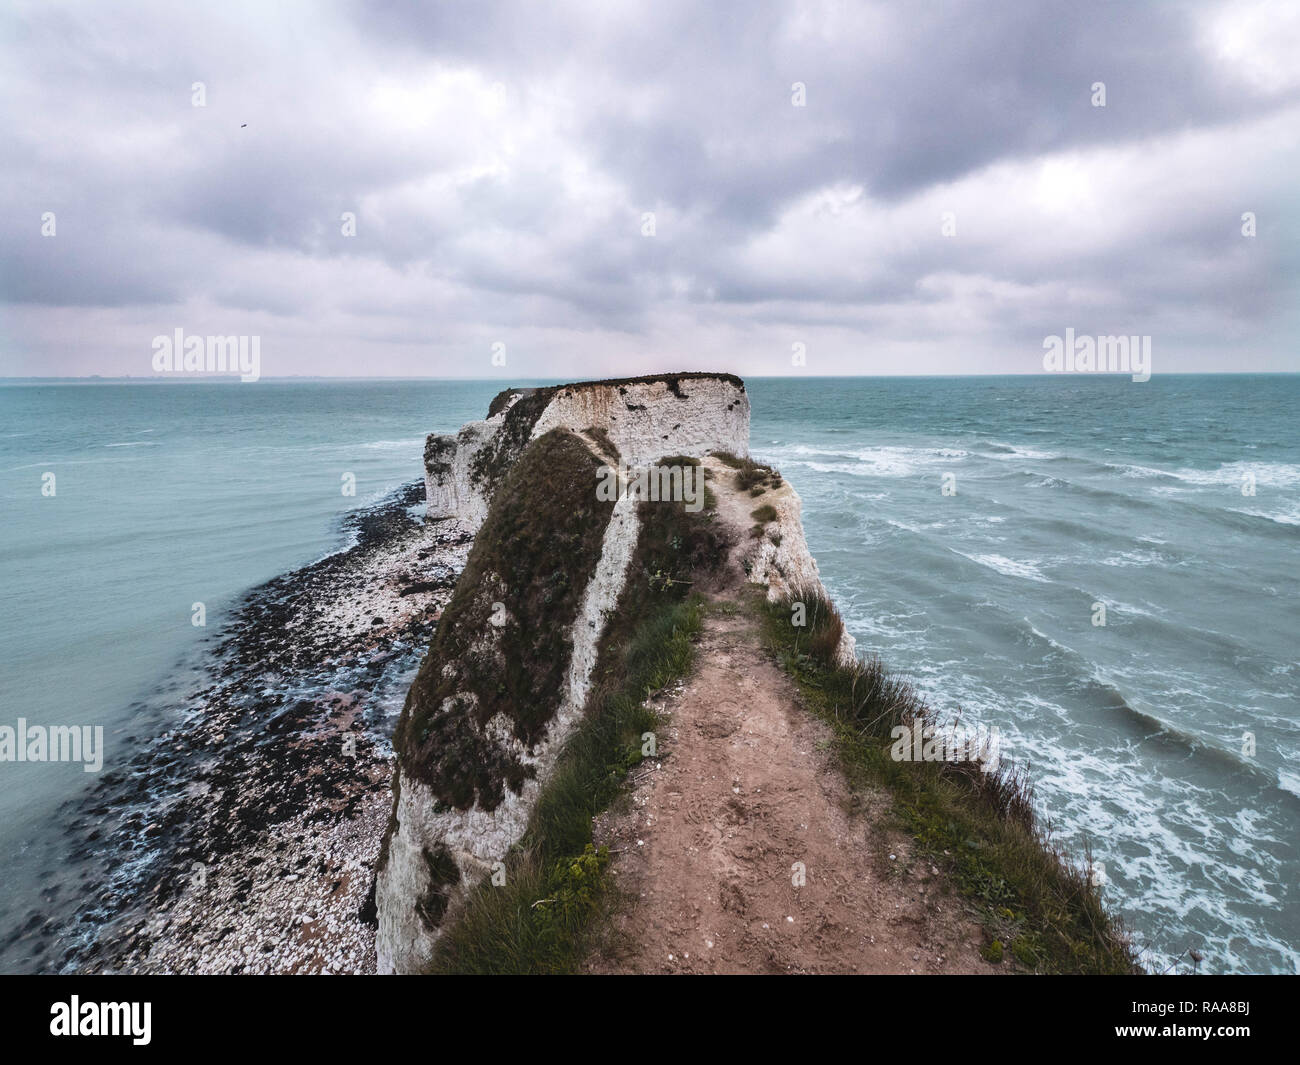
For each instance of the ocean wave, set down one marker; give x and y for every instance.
(393, 445)
(1288, 516)
(1009, 567)
(912, 527)
(1183, 743)
(1138, 558)
(883, 461)
(997, 450)
(1273, 474)
(1133, 470)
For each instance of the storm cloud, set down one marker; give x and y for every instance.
(613, 188)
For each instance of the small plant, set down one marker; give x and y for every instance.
(573, 888)
(752, 477)
(662, 582)
(601, 436)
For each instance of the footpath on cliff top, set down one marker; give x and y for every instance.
(742, 848)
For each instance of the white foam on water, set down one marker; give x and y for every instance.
(1009, 567)
(1135, 558)
(1289, 782)
(1288, 515)
(883, 461)
(1273, 474)
(1010, 452)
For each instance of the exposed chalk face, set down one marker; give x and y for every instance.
(645, 418)
(449, 490)
(780, 560)
(648, 420)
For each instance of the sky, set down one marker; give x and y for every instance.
(603, 189)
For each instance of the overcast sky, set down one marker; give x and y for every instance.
(500, 160)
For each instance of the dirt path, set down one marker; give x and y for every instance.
(749, 796)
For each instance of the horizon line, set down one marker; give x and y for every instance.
(205, 378)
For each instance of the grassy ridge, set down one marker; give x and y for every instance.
(541, 919)
(980, 826)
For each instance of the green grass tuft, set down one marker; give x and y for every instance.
(980, 826)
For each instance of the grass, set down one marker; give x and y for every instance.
(548, 914)
(601, 436)
(752, 477)
(762, 515)
(980, 826)
(542, 919)
(710, 500)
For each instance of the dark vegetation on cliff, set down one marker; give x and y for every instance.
(752, 477)
(544, 918)
(979, 826)
(438, 454)
(493, 461)
(534, 555)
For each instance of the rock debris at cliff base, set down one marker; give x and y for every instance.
(243, 839)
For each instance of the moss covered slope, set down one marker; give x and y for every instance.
(495, 670)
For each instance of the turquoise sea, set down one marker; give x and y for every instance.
(1167, 739)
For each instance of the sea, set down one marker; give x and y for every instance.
(1103, 571)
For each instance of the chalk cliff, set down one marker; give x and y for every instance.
(508, 675)
(644, 418)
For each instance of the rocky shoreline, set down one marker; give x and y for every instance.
(243, 838)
